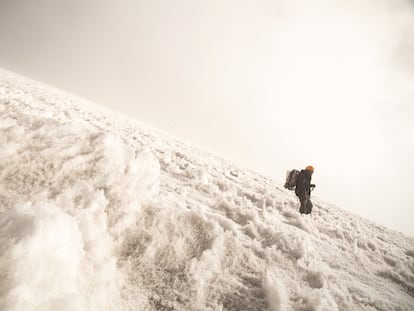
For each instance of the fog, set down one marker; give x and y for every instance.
(271, 85)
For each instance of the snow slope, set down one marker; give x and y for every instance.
(100, 212)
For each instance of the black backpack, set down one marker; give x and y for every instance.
(291, 179)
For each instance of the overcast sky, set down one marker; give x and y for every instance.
(270, 85)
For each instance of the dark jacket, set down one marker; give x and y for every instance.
(303, 184)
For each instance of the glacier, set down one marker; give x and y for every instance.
(101, 212)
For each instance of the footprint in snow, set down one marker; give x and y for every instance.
(315, 279)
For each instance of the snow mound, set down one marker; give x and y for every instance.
(46, 263)
(68, 193)
(99, 212)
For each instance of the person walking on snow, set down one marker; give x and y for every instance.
(303, 189)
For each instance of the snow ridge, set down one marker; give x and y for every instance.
(99, 212)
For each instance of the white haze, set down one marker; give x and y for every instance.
(99, 212)
(270, 84)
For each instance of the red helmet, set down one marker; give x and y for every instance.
(310, 168)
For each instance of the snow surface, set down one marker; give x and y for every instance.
(100, 212)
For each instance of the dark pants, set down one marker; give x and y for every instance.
(305, 203)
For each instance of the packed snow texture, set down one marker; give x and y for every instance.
(100, 212)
